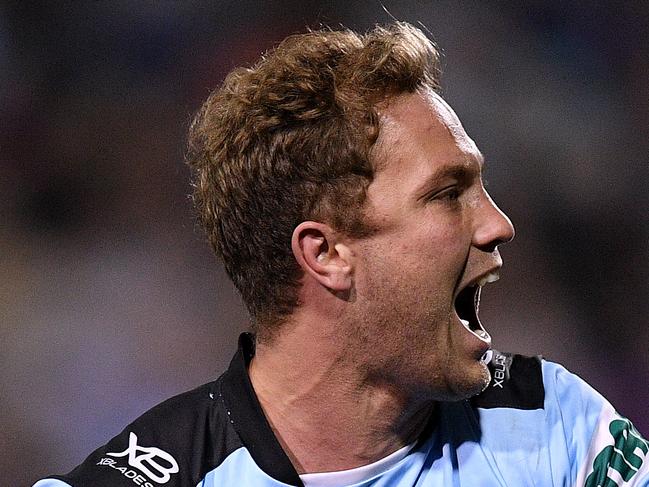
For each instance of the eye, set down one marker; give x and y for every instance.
(451, 193)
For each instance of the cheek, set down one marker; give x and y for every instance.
(443, 247)
(425, 238)
(425, 255)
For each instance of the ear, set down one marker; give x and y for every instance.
(319, 253)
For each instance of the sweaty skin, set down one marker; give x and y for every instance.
(376, 340)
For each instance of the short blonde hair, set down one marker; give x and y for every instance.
(289, 140)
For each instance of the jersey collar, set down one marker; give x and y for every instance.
(248, 419)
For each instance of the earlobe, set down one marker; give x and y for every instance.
(321, 256)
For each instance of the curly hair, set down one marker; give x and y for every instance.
(289, 139)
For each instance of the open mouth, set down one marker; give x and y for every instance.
(467, 305)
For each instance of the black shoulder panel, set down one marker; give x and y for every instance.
(516, 382)
(176, 443)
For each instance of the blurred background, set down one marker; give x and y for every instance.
(110, 298)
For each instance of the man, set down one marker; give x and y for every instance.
(346, 202)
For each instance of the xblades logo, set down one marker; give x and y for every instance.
(153, 462)
(500, 367)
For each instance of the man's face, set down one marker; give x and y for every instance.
(436, 234)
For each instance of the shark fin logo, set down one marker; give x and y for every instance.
(616, 464)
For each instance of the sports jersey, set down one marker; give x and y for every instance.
(535, 425)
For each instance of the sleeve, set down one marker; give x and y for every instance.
(604, 448)
(169, 445)
(126, 460)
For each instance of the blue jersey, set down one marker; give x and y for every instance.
(535, 425)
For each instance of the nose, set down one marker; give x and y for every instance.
(492, 226)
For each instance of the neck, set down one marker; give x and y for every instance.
(325, 411)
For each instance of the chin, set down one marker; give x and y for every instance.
(473, 383)
(483, 381)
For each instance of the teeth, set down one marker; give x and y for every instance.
(480, 333)
(483, 335)
(491, 277)
(486, 358)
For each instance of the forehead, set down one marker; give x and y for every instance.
(420, 139)
(424, 121)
